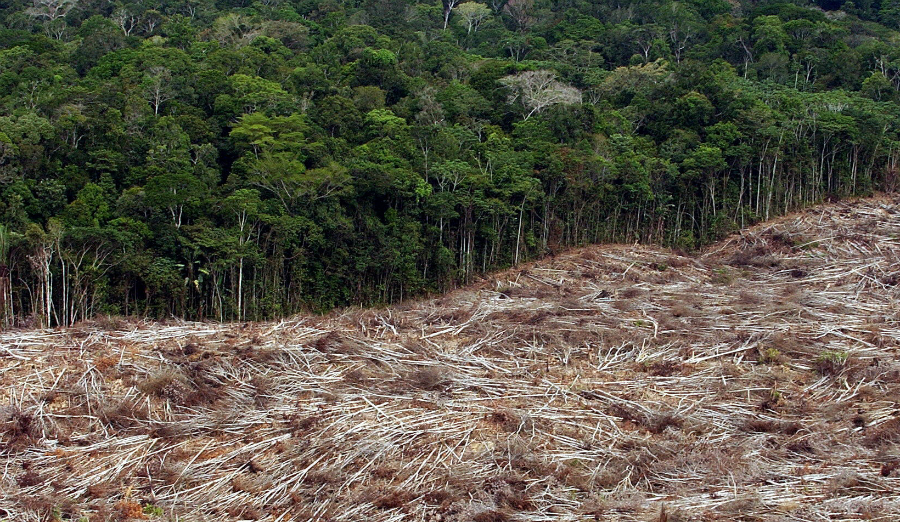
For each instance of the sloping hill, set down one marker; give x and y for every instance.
(757, 381)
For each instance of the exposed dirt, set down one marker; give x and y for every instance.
(757, 381)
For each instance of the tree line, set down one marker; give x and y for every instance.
(238, 160)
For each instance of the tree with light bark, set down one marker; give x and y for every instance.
(157, 86)
(51, 9)
(537, 90)
(448, 8)
(472, 14)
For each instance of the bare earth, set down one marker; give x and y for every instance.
(758, 380)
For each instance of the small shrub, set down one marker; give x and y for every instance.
(831, 362)
(152, 511)
(770, 355)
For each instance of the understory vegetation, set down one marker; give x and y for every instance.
(242, 160)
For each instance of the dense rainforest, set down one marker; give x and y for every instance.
(238, 160)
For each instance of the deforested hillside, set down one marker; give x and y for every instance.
(756, 381)
(248, 160)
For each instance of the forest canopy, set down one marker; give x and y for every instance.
(239, 160)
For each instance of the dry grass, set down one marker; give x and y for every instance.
(756, 381)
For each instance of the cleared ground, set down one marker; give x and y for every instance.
(759, 380)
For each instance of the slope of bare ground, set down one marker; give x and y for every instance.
(757, 381)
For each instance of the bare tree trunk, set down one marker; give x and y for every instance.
(240, 293)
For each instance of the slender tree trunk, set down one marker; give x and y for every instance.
(519, 234)
(240, 292)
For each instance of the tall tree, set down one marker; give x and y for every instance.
(537, 90)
